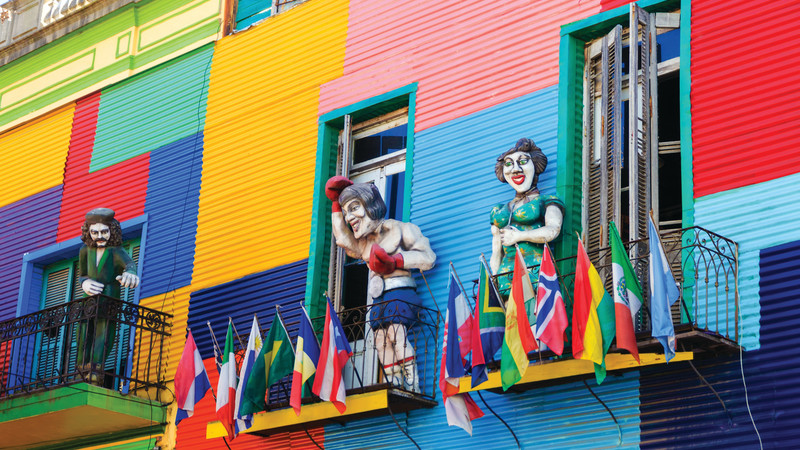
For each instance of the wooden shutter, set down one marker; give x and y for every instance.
(602, 131)
(337, 258)
(49, 355)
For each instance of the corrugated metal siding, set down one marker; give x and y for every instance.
(744, 128)
(25, 226)
(153, 109)
(240, 299)
(722, 213)
(34, 155)
(172, 197)
(260, 133)
(192, 431)
(679, 411)
(466, 56)
(556, 417)
(176, 303)
(121, 188)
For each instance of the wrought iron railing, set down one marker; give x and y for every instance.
(417, 371)
(98, 339)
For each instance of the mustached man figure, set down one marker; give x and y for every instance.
(391, 249)
(104, 268)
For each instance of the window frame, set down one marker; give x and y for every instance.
(330, 126)
(574, 37)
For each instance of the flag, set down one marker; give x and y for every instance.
(592, 316)
(627, 293)
(334, 353)
(305, 359)
(275, 361)
(488, 326)
(663, 293)
(191, 380)
(518, 339)
(459, 408)
(245, 421)
(551, 315)
(226, 386)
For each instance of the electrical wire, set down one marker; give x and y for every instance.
(619, 428)
(389, 408)
(741, 367)
(500, 419)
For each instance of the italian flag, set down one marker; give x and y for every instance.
(226, 387)
(627, 293)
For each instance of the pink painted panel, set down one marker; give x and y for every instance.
(465, 55)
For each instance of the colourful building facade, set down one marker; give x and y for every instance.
(211, 131)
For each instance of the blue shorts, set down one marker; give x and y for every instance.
(399, 305)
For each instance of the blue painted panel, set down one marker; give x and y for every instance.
(173, 192)
(678, 410)
(741, 215)
(240, 299)
(26, 225)
(153, 109)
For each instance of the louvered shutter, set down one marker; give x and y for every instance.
(117, 361)
(337, 259)
(49, 356)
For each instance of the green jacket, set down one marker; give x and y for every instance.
(113, 262)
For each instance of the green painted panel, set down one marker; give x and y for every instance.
(152, 109)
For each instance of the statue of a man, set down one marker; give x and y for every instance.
(104, 268)
(391, 248)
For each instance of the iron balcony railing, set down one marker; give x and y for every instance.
(417, 373)
(98, 339)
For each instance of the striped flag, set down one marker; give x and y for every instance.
(226, 386)
(627, 293)
(334, 353)
(551, 315)
(245, 421)
(191, 380)
(663, 293)
(518, 340)
(488, 326)
(460, 409)
(305, 359)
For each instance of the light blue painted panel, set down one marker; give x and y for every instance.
(152, 109)
(757, 217)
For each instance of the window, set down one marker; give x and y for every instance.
(631, 145)
(249, 12)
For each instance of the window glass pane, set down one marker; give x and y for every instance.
(668, 45)
(395, 185)
(379, 144)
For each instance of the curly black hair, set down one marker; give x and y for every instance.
(115, 240)
(524, 145)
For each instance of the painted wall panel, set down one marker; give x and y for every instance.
(192, 431)
(176, 303)
(254, 294)
(744, 127)
(465, 56)
(722, 214)
(25, 226)
(679, 410)
(260, 140)
(153, 109)
(109, 49)
(34, 155)
(171, 204)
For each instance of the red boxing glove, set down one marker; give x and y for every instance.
(382, 263)
(334, 187)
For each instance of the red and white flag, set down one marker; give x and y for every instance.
(226, 387)
(551, 315)
(334, 353)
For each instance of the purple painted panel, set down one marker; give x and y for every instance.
(26, 225)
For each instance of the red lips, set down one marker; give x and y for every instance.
(518, 179)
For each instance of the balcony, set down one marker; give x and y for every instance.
(372, 390)
(705, 316)
(48, 380)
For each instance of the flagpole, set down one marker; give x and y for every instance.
(217, 351)
(280, 317)
(236, 332)
(491, 282)
(453, 268)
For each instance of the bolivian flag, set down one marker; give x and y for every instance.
(518, 339)
(593, 323)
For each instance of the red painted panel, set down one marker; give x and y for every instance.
(121, 187)
(745, 94)
(465, 55)
(192, 431)
(606, 5)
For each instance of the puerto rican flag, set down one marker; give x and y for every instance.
(191, 380)
(551, 315)
(334, 353)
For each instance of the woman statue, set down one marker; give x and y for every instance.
(529, 220)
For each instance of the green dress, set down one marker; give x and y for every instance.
(529, 216)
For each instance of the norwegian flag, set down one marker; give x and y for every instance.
(551, 315)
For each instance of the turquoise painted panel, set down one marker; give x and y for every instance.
(249, 12)
(153, 109)
(757, 217)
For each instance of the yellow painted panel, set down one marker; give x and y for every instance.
(176, 303)
(552, 370)
(356, 404)
(34, 155)
(260, 141)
